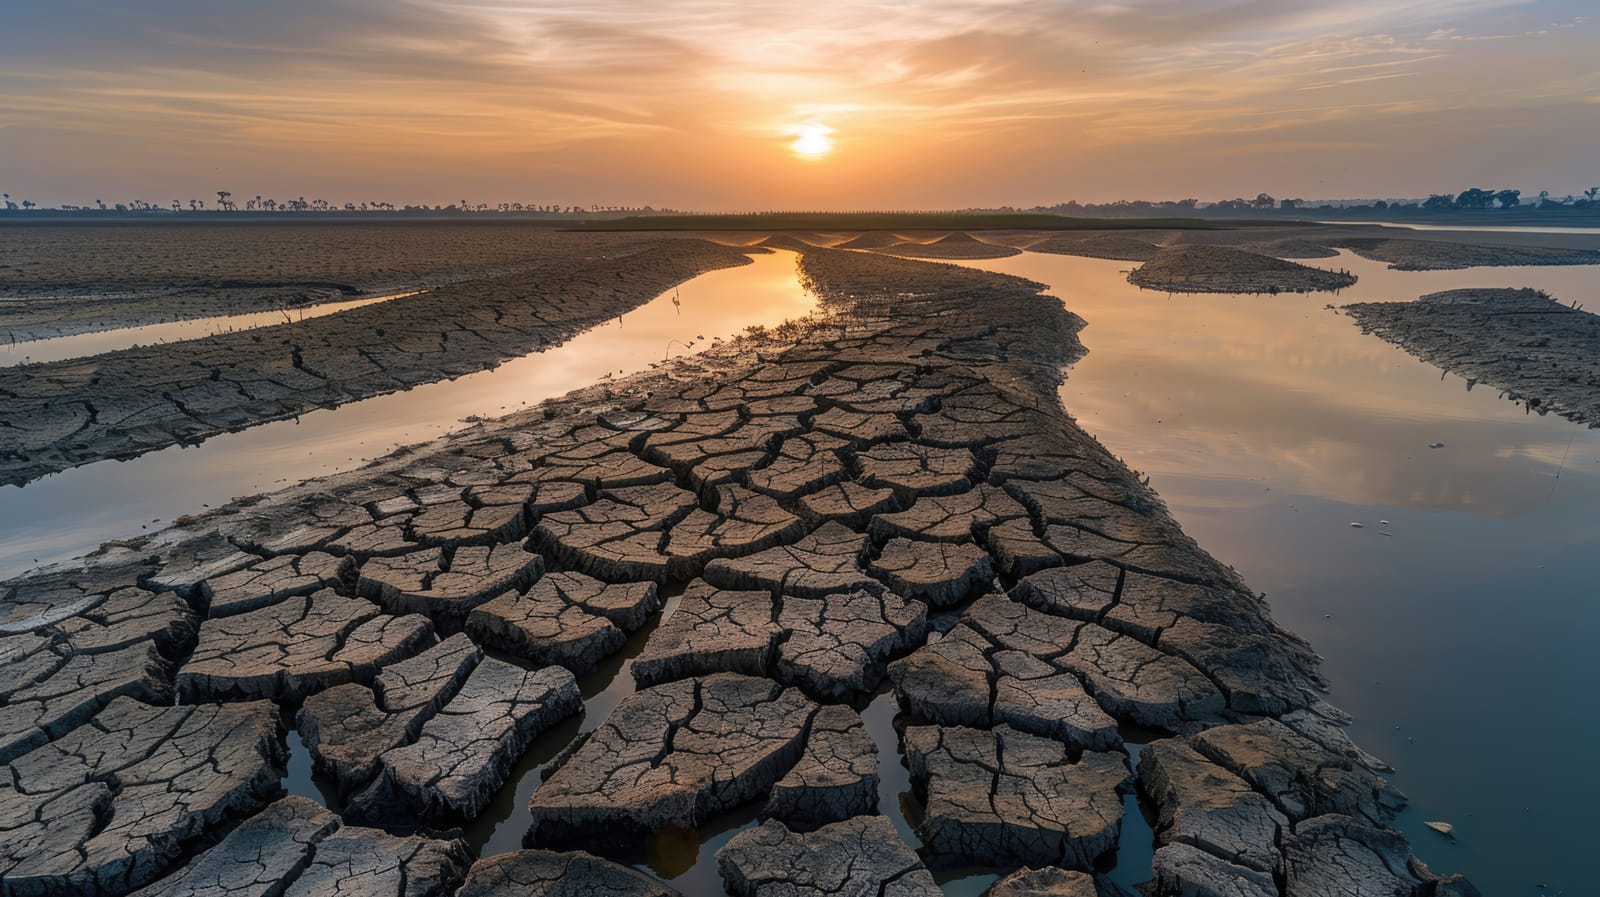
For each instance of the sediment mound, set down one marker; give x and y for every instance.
(1538, 350)
(1100, 246)
(791, 242)
(954, 246)
(1290, 248)
(1429, 255)
(871, 240)
(1223, 269)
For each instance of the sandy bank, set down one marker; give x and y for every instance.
(1430, 255)
(1195, 268)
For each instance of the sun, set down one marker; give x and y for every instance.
(811, 141)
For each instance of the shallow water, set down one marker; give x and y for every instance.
(1492, 229)
(1270, 424)
(82, 345)
(67, 514)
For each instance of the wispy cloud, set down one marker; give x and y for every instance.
(688, 100)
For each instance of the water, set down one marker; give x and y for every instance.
(1486, 228)
(67, 514)
(82, 345)
(1270, 424)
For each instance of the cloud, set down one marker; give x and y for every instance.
(525, 89)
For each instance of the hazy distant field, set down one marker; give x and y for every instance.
(77, 278)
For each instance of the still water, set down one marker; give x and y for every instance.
(1493, 229)
(82, 345)
(68, 514)
(1461, 633)
(1268, 424)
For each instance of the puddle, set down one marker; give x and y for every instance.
(68, 514)
(82, 345)
(1270, 424)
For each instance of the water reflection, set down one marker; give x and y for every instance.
(1269, 424)
(82, 345)
(1289, 395)
(67, 514)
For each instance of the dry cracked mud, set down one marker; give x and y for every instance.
(122, 404)
(1204, 268)
(1537, 350)
(888, 498)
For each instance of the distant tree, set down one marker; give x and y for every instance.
(1509, 199)
(176, 206)
(27, 204)
(1380, 205)
(121, 207)
(11, 206)
(1475, 198)
(1290, 203)
(225, 200)
(101, 203)
(1263, 201)
(1439, 202)
(1544, 197)
(1591, 193)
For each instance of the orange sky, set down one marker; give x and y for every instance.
(695, 104)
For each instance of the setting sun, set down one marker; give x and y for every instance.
(812, 141)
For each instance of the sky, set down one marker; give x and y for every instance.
(711, 105)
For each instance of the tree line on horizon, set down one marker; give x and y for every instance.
(1475, 198)
(226, 203)
(1471, 199)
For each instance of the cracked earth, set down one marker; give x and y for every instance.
(889, 497)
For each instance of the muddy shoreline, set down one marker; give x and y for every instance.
(1197, 268)
(1541, 353)
(63, 280)
(121, 404)
(890, 492)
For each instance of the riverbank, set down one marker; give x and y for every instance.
(1196, 268)
(1540, 352)
(823, 494)
(122, 404)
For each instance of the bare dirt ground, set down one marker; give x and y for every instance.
(1123, 247)
(889, 493)
(1192, 268)
(122, 404)
(1540, 352)
(1434, 255)
(79, 278)
(953, 246)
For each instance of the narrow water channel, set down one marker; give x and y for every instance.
(83, 345)
(1467, 600)
(68, 514)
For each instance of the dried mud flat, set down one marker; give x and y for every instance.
(1438, 255)
(1202, 268)
(78, 278)
(895, 497)
(1120, 247)
(952, 246)
(122, 404)
(1540, 352)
